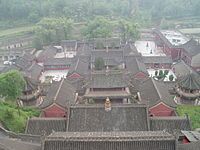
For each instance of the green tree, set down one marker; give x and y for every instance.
(11, 84)
(37, 44)
(128, 30)
(166, 72)
(161, 73)
(99, 63)
(100, 27)
(156, 72)
(50, 30)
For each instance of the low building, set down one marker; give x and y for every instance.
(158, 62)
(57, 64)
(79, 68)
(45, 126)
(190, 136)
(156, 95)
(135, 68)
(170, 41)
(173, 125)
(59, 97)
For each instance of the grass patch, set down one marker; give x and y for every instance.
(15, 119)
(193, 112)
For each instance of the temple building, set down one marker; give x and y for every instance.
(30, 93)
(188, 89)
(58, 99)
(110, 141)
(104, 84)
(156, 95)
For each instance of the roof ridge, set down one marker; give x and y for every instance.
(77, 64)
(58, 89)
(157, 90)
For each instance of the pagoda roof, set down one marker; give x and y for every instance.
(190, 81)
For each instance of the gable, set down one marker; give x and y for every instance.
(161, 109)
(75, 75)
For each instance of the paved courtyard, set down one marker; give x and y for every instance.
(56, 75)
(148, 48)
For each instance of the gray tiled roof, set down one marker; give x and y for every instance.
(170, 124)
(181, 68)
(80, 66)
(34, 71)
(192, 136)
(47, 53)
(189, 146)
(111, 136)
(30, 84)
(153, 92)
(57, 61)
(115, 55)
(94, 118)
(14, 144)
(110, 141)
(102, 79)
(158, 59)
(190, 81)
(39, 126)
(192, 47)
(61, 93)
(134, 65)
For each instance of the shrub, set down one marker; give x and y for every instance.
(166, 72)
(171, 77)
(156, 72)
(160, 73)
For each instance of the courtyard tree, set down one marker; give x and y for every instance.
(99, 64)
(166, 72)
(11, 84)
(100, 27)
(171, 77)
(161, 73)
(156, 72)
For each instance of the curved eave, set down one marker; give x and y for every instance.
(189, 95)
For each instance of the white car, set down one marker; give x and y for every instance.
(7, 62)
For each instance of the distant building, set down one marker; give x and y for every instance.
(170, 41)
